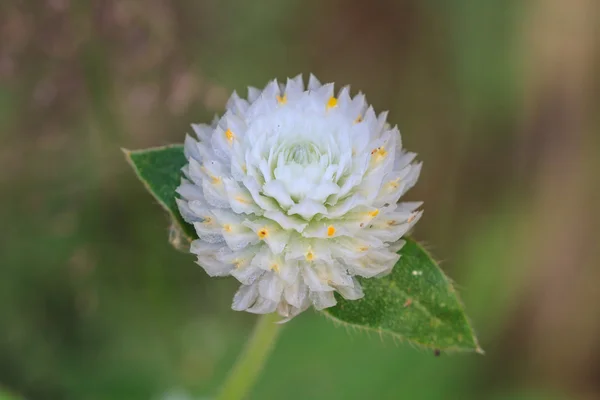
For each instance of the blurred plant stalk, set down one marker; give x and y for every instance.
(560, 49)
(250, 363)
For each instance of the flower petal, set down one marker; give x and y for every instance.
(307, 209)
(294, 192)
(245, 297)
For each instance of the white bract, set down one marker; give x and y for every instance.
(294, 192)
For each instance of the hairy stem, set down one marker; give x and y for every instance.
(250, 363)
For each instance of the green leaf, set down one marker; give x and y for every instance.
(159, 169)
(415, 302)
(5, 395)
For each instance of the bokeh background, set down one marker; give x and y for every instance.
(501, 99)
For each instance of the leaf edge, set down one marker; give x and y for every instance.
(181, 234)
(176, 230)
(454, 349)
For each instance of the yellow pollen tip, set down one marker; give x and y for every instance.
(237, 263)
(379, 153)
(263, 233)
(240, 199)
(363, 248)
(310, 256)
(330, 230)
(391, 222)
(282, 99)
(227, 228)
(216, 180)
(358, 120)
(332, 102)
(229, 135)
(244, 168)
(374, 213)
(275, 267)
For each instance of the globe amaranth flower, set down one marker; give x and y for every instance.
(294, 192)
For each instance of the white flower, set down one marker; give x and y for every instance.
(294, 192)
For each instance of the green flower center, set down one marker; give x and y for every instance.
(303, 153)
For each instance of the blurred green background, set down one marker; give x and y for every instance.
(501, 99)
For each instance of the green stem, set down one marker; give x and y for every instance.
(250, 363)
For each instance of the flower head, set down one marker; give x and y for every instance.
(294, 192)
